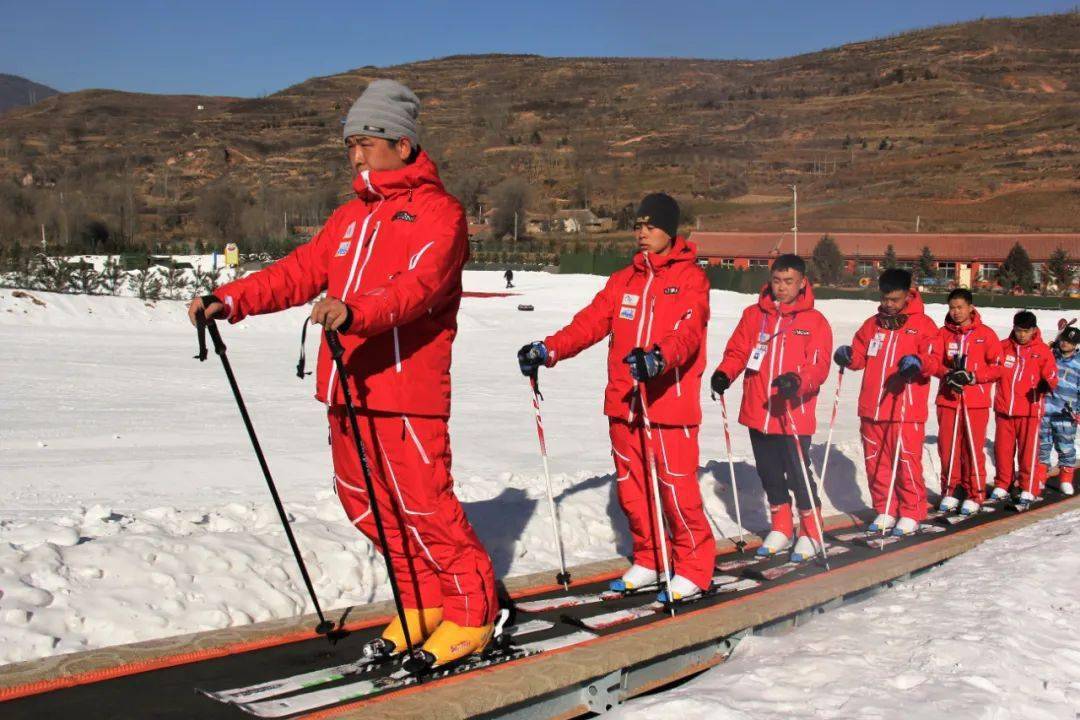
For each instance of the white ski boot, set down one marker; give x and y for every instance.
(948, 504)
(1025, 500)
(681, 589)
(999, 494)
(636, 578)
(1067, 488)
(905, 526)
(806, 548)
(970, 507)
(775, 542)
(881, 523)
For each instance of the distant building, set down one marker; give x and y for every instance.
(582, 220)
(969, 259)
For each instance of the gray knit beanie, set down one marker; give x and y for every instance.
(386, 109)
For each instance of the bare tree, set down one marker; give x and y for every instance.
(511, 198)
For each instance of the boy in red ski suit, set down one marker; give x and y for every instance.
(785, 347)
(654, 314)
(1028, 374)
(896, 350)
(970, 363)
(390, 263)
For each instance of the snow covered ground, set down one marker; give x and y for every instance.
(990, 635)
(133, 506)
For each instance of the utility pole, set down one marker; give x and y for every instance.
(515, 226)
(917, 219)
(795, 216)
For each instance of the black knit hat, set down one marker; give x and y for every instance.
(660, 211)
(1025, 320)
(1071, 335)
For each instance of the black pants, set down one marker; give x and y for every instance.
(778, 468)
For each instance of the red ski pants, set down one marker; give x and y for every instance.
(1016, 435)
(879, 440)
(437, 558)
(969, 473)
(690, 539)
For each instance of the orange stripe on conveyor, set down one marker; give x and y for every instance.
(339, 710)
(93, 676)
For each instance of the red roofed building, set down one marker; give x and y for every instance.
(968, 258)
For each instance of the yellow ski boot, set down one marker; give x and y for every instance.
(451, 642)
(422, 623)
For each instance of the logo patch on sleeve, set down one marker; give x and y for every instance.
(800, 331)
(403, 216)
(343, 248)
(630, 299)
(627, 313)
(673, 290)
(349, 231)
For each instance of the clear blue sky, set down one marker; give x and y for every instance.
(252, 48)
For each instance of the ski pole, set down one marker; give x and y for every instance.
(959, 364)
(1036, 431)
(337, 352)
(740, 544)
(971, 444)
(650, 458)
(563, 578)
(814, 505)
(896, 455)
(832, 426)
(325, 627)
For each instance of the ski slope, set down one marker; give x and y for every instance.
(134, 508)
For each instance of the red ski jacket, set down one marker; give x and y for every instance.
(394, 255)
(658, 300)
(796, 338)
(878, 350)
(982, 351)
(1022, 366)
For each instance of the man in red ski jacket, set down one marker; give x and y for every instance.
(785, 347)
(1028, 375)
(390, 263)
(654, 313)
(970, 356)
(895, 348)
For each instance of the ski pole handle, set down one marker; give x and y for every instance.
(337, 350)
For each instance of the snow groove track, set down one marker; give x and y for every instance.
(170, 692)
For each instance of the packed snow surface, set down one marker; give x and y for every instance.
(134, 508)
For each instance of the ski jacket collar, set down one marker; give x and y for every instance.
(803, 301)
(682, 251)
(1034, 342)
(976, 323)
(382, 184)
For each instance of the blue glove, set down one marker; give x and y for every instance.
(910, 366)
(531, 357)
(842, 356)
(644, 365)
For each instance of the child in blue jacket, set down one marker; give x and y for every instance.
(1058, 430)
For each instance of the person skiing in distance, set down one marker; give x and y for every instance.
(655, 312)
(509, 277)
(1058, 428)
(895, 347)
(785, 347)
(970, 355)
(1028, 374)
(390, 263)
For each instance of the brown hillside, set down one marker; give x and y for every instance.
(973, 127)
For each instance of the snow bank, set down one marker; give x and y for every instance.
(991, 634)
(134, 507)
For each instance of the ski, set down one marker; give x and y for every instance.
(566, 601)
(620, 617)
(282, 707)
(303, 681)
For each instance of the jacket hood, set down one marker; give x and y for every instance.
(682, 251)
(803, 301)
(381, 184)
(976, 322)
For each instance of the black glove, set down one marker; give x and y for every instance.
(1043, 388)
(787, 385)
(644, 365)
(531, 357)
(959, 379)
(720, 382)
(842, 356)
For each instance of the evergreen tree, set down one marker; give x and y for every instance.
(112, 276)
(205, 281)
(175, 282)
(86, 280)
(1017, 270)
(890, 257)
(145, 284)
(926, 268)
(1060, 269)
(54, 275)
(827, 261)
